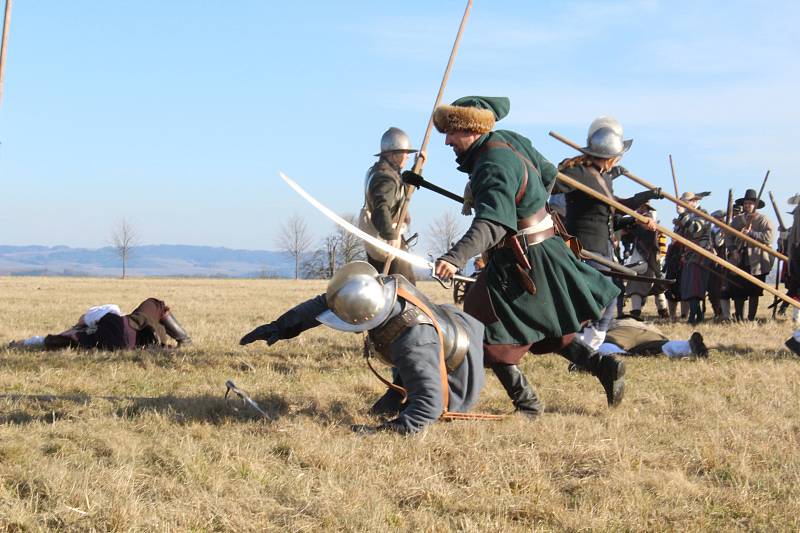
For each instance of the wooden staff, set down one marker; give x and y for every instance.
(781, 226)
(674, 178)
(3, 45)
(781, 247)
(763, 185)
(686, 242)
(702, 214)
(420, 161)
(729, 210)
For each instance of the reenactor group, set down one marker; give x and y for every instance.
(536, 293)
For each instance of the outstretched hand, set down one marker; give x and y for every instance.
(270, 333)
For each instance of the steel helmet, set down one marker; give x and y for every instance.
(358, 298)
(604, 139)
(396, 140)
(603, 122)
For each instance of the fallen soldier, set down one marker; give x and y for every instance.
(105, 328)
(435, 350)
(631, 337)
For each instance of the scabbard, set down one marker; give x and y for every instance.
(523, 264)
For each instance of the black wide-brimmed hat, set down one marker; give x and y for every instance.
(752, 195)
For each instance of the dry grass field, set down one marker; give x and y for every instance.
(145, 441)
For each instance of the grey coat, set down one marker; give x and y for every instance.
(761, 229)
(415, 357)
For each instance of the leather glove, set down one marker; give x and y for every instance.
(412, 178)
(270, 333)
(617, 171)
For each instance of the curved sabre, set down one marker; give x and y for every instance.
(403, 255)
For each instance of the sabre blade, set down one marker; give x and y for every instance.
(397, 252)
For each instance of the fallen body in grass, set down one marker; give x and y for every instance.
(104, 327)
(632, 337)
(436, 351)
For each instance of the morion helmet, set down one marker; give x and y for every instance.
(396, 140)
(604, 139)
(358, 298)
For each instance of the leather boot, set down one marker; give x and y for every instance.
(606, 368)
(175, 330)
(752, 308)
(522, 394)
(738, 305)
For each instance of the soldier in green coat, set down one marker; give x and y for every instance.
(534, 294)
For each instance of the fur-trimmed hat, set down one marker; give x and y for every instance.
(476, 114)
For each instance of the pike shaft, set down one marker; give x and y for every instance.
(702, 214)
(420, 162)
(4, 45)
(686, 242)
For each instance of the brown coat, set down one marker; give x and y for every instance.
(762, 230)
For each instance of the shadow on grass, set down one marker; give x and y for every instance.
(181, 410)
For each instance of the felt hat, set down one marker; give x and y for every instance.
(475, 114)
(752, 195)
(689, 196)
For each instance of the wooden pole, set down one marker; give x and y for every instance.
(4, 45)
(763, 185)
(419, 162)
(729, 209)
(778, 215)
(702, 214)
(674, 178)
(686, 242)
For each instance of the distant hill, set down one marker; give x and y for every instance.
(146, 260)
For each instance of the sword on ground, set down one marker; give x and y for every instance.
(246, 399)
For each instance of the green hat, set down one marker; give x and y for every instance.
(476, 114)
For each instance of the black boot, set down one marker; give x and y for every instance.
(793, 345)
(752, 308)
(606, 368)
(697, 345)
(175, 330)
(522, 394)
(738, 305)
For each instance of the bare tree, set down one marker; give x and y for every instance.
(350, 247)
(443, 233)
(123, 239)
(295, 239)
(323, 262)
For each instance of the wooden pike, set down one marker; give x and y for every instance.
(419, 162)
(4, 45)
(781, 225)
(674, 178)
(686, 242)
(702, 214)
(763, 185)
(729, 209)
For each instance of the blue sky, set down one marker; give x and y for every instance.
(177, 115)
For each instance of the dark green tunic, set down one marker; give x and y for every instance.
(569, 292)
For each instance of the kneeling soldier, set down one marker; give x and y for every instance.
(437, 350)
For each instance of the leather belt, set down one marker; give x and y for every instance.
(539, 236)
